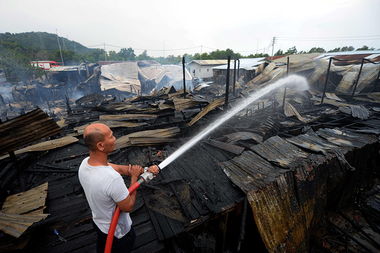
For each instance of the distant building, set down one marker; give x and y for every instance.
(203, 68)
(45, 65)
(247, 70)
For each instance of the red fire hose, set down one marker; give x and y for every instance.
(145, 177)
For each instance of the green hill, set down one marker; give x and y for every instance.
(44, 41)
(17, 50)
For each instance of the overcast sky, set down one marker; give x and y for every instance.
(161, 26)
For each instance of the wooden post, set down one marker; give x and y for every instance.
(184, 78)
(227, 83)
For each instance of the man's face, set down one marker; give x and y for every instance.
(109, 141)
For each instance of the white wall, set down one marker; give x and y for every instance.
(199, 71)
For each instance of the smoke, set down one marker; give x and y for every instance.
(6, 93)
(76, 94)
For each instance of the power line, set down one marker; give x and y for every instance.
(337, 40)
(158, 50)
(266, 49)
(329, 37)
(200, 47)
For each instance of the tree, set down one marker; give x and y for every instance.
(365, 48)
(217, 54)
(317, 50)
(143, 56)
(15, 60)
(95, 55)
(337, 49)
(343, 49)
(292, 50)
(127, 54)
(256, 55)
(279, 52)
(113, 56)
(188, 57)
(69, 57)
(349, 48)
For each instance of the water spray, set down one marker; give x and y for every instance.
(295, 82)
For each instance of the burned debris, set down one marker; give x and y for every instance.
(294, 171)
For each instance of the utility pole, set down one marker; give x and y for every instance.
(201, 48)
(63, 43)
(184, 76)
(59, 46)
(273, 42)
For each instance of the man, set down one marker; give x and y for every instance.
(104, 187)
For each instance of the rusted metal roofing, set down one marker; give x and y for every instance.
(348, 53)
(293, 58)
(352, 57)
(25, 129)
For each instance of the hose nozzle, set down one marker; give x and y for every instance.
(147, 176)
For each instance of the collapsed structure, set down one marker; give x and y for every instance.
(292, 172)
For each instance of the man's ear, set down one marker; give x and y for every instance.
(100, 146)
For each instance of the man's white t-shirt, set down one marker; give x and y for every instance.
(104, 186)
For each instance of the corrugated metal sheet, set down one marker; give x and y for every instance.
(346, 138)
(279, 151)
(209, 62)
(21, 210)
(250, 171)
(121, 76)
(373, 56)
(46, 145)
(245, 63)
(286, 202)
(25, 129)
(295, 58)
(311, 141)
(163, 136)
(352, 57)
(366, 52)
(67, 68)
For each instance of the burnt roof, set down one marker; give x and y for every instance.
(283, 166)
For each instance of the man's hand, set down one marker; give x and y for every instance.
(154, 169)
(136, 170)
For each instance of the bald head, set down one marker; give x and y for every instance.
(93, 134)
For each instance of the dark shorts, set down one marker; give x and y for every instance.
(124, 244)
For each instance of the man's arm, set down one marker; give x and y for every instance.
(134, 171)
(128, 203)
(125, 169)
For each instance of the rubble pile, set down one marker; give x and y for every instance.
(288, 173)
